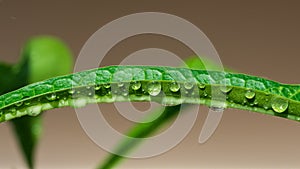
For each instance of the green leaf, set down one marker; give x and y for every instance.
(42, 57)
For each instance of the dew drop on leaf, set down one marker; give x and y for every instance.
(19, 104)
(174, 87)
(279, 105)
(266, 107)
(154, 88)
(225, 89)
(120, 84)
(188, 85)
(97, 87)
(250, 94)
(72, 91)
(201, 85)
(51, 97)
(135, 85)
(34, 110)
(106, 86)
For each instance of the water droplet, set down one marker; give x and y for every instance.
(168, 103)
(34, 110)
(154, 88)
(88, 87)
(13, 111)
(250, 94)
(174, 87)
(188, 85)
(72, 91)
(225, 89)
(279, 105)
(51, 96)
(136, 85)
(62, 103)
(107, 85)
(120, 84)
(19, 104)
(205, 94)
(201, 85)
(97, 87)
(266, 107)
(78, 103)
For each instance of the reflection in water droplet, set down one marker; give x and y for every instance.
(279, 105)
(120, 84)
(27, 103)
(188, 85)
(62, 102)
(13, 111)
(34, 110)
(171, 103)
(72, 91)
(174, 87)
(19, 104)
(51, 96)
(97, 87)
(249, 94)
(201, 85)
(225, 89)
(136, 85)
(154, 88)
(106, 85)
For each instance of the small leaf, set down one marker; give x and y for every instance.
(42, 57)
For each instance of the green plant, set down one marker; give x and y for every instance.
(166, 85)
(149, 83)
(42, 57)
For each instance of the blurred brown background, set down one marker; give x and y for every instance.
(254, 37)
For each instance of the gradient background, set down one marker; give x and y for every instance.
(260, 38)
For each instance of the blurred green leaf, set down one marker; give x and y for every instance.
(42, 57)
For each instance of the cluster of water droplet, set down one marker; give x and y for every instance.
(171, 91)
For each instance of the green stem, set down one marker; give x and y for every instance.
(141, 130)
